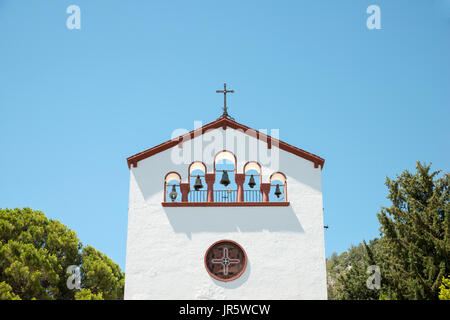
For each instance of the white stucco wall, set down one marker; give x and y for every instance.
(284, 245)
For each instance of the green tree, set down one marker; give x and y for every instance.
(413, 250)
(86, 294)
(347, 273)
(35, 253)
(444, 289)
(6, 292)
(101, 275)
(335, 267)
(415, 235)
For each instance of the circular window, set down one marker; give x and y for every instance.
(225, 260)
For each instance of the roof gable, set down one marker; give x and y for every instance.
(225, 123)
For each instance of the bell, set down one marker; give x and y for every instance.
(225, 180)
(198, 184)
(252, 182)
(278, 191)
(173, 194)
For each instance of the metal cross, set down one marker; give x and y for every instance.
(225, 109)
(225, 261)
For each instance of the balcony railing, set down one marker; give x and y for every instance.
(252, 196)
(198, 196)
(225, 196)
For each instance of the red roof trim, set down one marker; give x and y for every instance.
(225, 122)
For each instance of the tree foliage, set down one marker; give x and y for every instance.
(6, 292)
(347, 273)
(413, 251)
(86, 294)
(444, 289)
(415, 232)
(35, 253)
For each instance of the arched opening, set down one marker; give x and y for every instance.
(278, 187)
(252, 182)
(172, 192)
(198, 188)
(225, 187)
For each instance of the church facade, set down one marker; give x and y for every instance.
(225, 212)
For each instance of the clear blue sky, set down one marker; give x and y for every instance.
(75, 103)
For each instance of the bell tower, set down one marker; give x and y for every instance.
(240, 217)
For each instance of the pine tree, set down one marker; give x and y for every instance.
(347, 273)
(415, 232)
(35, 253)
